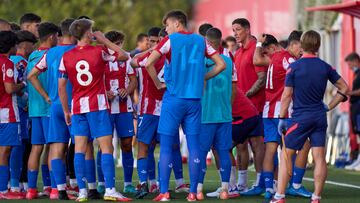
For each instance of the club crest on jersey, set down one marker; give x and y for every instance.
(10, 73)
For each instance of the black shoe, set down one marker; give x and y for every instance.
(142, 191)
(63, 195)
(94, 194)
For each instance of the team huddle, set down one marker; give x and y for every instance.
(79, 86)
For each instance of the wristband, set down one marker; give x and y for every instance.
(345, 98)
(259, 44)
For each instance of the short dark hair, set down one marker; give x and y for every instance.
(25, 36)
(176, 14)
(243, 22)
(46, 29)
(79, 27)
(283, 43)
(353, 56)
(311, 41)
(214, 34)
(230, 39)
(30, 18)
(163, 32)
(65, 26)
(295, 35)
(84, 17)
(269, 40)
(14, 27)
(140, 37)
(8, 40)
(115, 36)
(204, 28)
(154, 31)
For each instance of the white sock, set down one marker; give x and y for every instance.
(257, 179)
(73, 183)
(26, 186)
(199, 187)
(61, 187)
(110, 190)
(101, 183)
(83, 191)
(296, 185)
(314, 197)
(127, 183)
(92, 186)
(219, 175)
(179, 182)
(153, 182)
(225, 186)
(15, 189)
(242, 179)
(278, 196)
(233, 176)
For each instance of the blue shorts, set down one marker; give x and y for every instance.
(10, 134)
(93, 124)
(24, 124)
(123, 123)
(176, 111)
(39, 130)
(217, 135)
(147, 128)
(271, 130)
(59, 132)
(303, 128)
(244, 129)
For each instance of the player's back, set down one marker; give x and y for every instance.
(85, 66)
(185, 75)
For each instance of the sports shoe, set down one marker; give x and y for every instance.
(357, 167)
(83, 197)
(254, 191)
(54, 194)
(94, 194)
(282, 200)
(142, 191)
(233, 192)
(31, 194)
(184, 160)
(72, 190)
(301, 192)
(11, 195)
(215, 193)
(315, 201)
(154, 188)
(208, 162)
(162, 197)
(183, 188)
(129, 189)
(268, 195)
(223, 195)
(200, 196)
(353, 165)
(112, 195)
(101, 189)
(242, 188)
(191, 197)
(45, 193)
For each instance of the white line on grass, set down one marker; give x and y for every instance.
(335, 183)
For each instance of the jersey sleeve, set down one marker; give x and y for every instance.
(164, 46)
(333, 76)
(108, 54)
(62, 69)
(8, 72)
(129, 70)
(209, 50)
(289, 79)
(41, 65)
(259, 69)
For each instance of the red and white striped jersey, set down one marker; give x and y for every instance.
(152, 97)
(9, 112)
(140, 72)
(85, 67)
(117, 77)
(275, 83)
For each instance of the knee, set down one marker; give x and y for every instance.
(36, 149)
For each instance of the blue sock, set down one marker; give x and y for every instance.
(194, 160)
(128, 165)
(269, 179)
(15, 163)
(151, 163)
(58, 170)
(99, 169)
(276, 161)
(52, 178)
(165, 163)
(4, 177)
(177, 163)
(298, 175)
(108, 166)
(158, 177)
(262, 181)
(90, 172)
(225, 165)
(142, 169)
(202, 173)
(80, 170)
(32, 179)
(45, 175)
(293, 165)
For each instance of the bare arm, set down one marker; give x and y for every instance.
(64, 100)
(259, 58)
(285, 101)
(11, 88)
(34, 80)
(342, 89)
(355, 93)
(130, 89)
(219, 66)
(258, 85)
(154, 56)
(122, 55)
(233, 93)
(134, 61)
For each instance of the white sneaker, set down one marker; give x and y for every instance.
(353, 165)
(83, 197)
(357, 167)
(242, 188)
(113, 195)
(215, 193)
